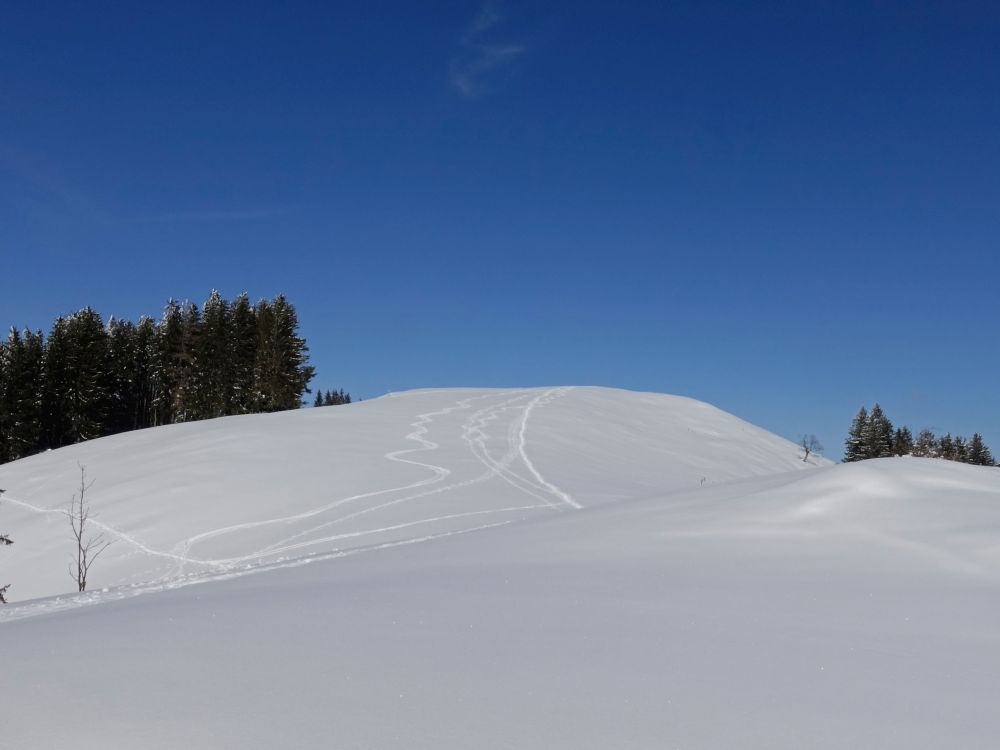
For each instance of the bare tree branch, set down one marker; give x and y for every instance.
(5, 540)
(810, 444)
(88, 549)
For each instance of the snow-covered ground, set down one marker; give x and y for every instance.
(528, 568)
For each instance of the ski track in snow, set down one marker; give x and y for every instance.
(473, 433)
(33, 608)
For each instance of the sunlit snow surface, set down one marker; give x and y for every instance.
(523, 568)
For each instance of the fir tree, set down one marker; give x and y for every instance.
(855, 443)
(211, 365)
(56, 429)
(186, 394)
(877, 434)
(166, 365)
(319, 398)
(143, 371)
(281, 373)
(20, 406)
(88, 393)
(243, 356)
(902, 442)
(946, 447)
(978, 453)
(961, 450)
(123, 359)
(925, 446)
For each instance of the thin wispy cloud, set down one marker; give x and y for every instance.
(480, 55)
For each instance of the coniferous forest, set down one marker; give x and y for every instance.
(87, 379)
(872, 436)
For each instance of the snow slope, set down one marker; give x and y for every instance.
(845, 606)
(206, 498)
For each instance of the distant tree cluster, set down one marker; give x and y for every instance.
(872, 436)
(88, 379)
(332, 398)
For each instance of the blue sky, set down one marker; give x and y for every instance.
(785, 209)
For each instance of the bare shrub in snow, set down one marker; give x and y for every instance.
(88, 548)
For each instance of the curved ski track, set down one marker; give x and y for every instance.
(473, 433)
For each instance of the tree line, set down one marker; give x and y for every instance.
(87, 379)
(872, 436)
(332, 398)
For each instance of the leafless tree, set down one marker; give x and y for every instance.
(810, 444)
(87, 548)
(4, 540)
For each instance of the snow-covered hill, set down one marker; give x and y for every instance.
(230, 494)
(519, 569)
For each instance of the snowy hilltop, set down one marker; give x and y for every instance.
(527, 567)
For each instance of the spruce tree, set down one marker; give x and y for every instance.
(144, 373)
(56, 429)
(186, 396)
(961, 450)
(211, 365)
(167, 352)
(319, 398)
(877, 434)
(4, 386)
(979, 454)
(946, 447)
(123, 361)
(20, 406)
(902, 442)
(243, 356)
(855, 443)
(88, 393)
(925, 446)
(281, 372)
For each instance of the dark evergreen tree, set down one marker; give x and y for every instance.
(211, 365)
(123, 361)
(186, 404)
(961, 449)
(877, 434)
(946, 447)
(855, 443)
(144, 373)
(167, 363)
(243, 356)
(281, 372)
(88, 390)
(979, 454)
(318, 401)
(902, 442)
(4, 386)
(925, 446)
(56, 428)
(20, 405)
